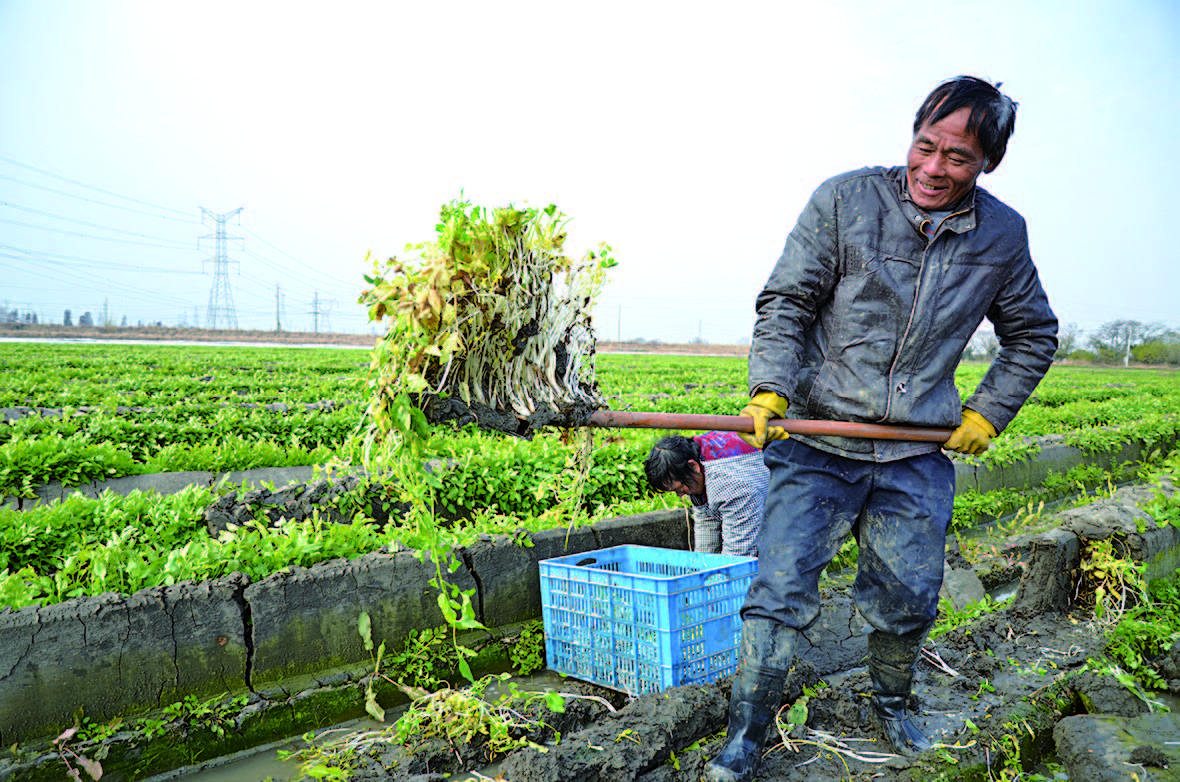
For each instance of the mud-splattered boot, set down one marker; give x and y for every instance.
(766, 654)
(891, 666)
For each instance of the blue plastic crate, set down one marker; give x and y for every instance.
(639, 619)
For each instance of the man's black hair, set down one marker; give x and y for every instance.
(668, 461)
(992, 118)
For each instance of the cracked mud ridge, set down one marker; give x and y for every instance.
(980, 674)
(998, 695)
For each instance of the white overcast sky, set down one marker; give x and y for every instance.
(686, 135)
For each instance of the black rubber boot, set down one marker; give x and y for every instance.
(892, 659)
(766, 654)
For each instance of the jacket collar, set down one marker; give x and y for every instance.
(960, 220)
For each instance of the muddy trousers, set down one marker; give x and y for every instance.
(899, 512)
(766, 653)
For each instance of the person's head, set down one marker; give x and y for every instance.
(674, 464)
(960, 132)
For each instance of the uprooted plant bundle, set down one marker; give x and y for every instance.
(489, 323)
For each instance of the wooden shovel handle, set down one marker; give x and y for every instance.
(622, 419)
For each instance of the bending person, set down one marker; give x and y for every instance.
(724, 478)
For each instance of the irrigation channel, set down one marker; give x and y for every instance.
(1006, 693)
(267, 763)
(1012, 685)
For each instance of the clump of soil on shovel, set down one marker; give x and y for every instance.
(573, 415)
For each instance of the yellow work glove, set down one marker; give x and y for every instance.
(764, 406)
(973, 435)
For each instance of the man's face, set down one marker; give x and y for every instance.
(694, 485)
(944, 161)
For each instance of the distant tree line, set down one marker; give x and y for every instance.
(1129, 342)
(1117, 342)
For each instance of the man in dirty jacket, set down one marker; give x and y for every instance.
(884, 279)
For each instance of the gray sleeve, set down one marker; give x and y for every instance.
(1027, 332)
(802, 279)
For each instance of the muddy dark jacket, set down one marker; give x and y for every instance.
(864, 317)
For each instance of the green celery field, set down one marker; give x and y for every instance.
(107, 411)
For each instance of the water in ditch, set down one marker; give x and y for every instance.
(259, 763)
(973, 683)
(1016, 657)
(264, 763)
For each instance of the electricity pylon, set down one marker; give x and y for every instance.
(221, 300)
(321, 307)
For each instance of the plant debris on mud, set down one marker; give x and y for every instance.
(977, 688)
(993, 688)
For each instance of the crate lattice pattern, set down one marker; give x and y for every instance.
(639, 619)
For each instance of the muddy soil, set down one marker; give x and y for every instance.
(990, 692)
(992, 675)
(566, 416)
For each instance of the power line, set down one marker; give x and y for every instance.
(256, 280)
(189, 220)
(87, 283)
(69, 275)
(307, 266)
(345, 288)
(319, 308)
(43, 172)
(56, 216)
(180, 245)
(76, 262)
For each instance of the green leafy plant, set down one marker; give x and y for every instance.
(461, 715)
(1143, 634)
(984, 686)
(492, 725)
(91, 731)
(972, 507)
(528, 652)
(1010, 450)
(215, 715)
(846, 557)
(1164, 508)
(365, 628)
(332, 754)
(1109, 582)
(424, 661)
(492, 312)
(950, 619)
(61, 744)
(796, 715)
(26, 463)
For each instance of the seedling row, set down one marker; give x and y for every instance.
(223, 409)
